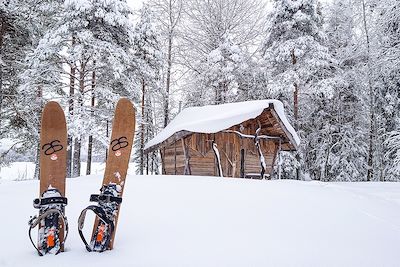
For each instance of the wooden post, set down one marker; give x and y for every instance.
(175, 157)
(163, 170)
(241, 162)
(279, 159)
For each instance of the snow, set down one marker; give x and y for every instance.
(209, 221)
(215, 118)
(25, 170)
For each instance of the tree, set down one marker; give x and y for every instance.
(388, 87)
(25, 101)
(88, 53)
(216, 39)
(168, 18)
(149, 57)
(219, 76)
(299, 64)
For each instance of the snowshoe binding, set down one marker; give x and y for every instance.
(50, 220)
(106, 211)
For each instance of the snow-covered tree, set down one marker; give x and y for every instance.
(29, 20)
(88, 53)
(340, 148)
(216, 39)
(168, 18)
(218, 78)
(299, 63)
(294, 49)
(149, 57)
(388, 87)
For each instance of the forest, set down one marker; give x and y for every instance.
(334, 64)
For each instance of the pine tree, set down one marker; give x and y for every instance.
(340, 143)
(299, 65)
(219, 76)
(87, 52)
(388, 87)
(28, 25)
(149, 58)
(14, 38)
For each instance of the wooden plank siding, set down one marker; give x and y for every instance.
(202, 159)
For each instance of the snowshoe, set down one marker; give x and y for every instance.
(108, 203)
(50, 220)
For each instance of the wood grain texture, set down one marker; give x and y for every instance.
(53, 154)
(53, 171)
(202, 159)
(123, 130)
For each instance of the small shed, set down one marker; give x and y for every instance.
(241, 139)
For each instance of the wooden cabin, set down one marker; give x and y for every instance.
(231, 140)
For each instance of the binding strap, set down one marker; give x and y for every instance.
(35, 220)
(38, 202)
(105, 198)
(101, 214)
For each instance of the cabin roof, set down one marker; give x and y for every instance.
(216, 118)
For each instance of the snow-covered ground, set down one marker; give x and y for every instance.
(208, 221)
(25, 170)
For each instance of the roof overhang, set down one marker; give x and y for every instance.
(216, 118)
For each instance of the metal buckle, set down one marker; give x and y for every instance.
(36, 203)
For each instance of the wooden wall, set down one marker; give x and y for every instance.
(201, 156)
(202, 160)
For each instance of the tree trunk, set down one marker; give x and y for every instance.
(78, 139)
(147, 135)
(36, 174)
(295, 95)
(2, 31)
(90, 143)
(296, 105)
(370, 171)
(71, 113)
(141, 152)
(76, 171)
(167, 87)
(107, 135)
(296, 111)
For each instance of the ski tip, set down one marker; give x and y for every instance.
(125, 102)
(126, 109)
(53, 109)
(52, 105)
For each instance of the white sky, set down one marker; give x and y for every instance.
(135, 4)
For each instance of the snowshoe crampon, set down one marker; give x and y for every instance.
(106, 210)
(51, 220)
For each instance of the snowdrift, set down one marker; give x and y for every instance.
(208, 221)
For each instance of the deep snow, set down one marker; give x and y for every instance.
(209, 221)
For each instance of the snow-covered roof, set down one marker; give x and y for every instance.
(215, 118)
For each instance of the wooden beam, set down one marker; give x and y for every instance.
(175, 157)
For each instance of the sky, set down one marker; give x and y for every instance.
(135, 4)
